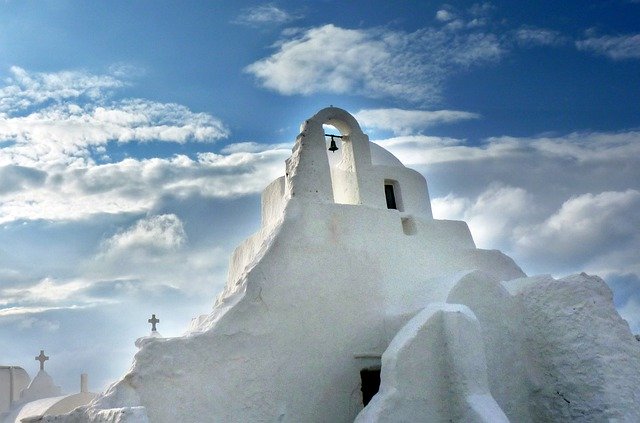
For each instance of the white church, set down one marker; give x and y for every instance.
(352, 303)
(23, 400)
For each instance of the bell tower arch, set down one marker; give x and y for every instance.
(308, 170)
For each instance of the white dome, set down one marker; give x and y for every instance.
(382, 157)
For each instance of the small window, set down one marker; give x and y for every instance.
(391, 196)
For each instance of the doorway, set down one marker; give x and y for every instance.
(370, 379)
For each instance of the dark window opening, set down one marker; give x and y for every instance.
(370, 384)
(391, 196)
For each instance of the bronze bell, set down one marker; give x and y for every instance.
(333, 147)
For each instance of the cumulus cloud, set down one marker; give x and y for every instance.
(444, 15)
(17, 178)
(156, 233)
(403, 122)
(58, 118)
(372, 62)
(593, 232)
(584, 227)
(55, 127)
(25, 89)
(136, 185)
(560, 204)
(615, 47)
(154, 253)
(492, 215)
(263, 15)
(63, 134)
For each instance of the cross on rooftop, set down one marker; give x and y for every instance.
(153, 322)
(42, 358)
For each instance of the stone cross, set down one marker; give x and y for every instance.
(42, 358)
(153, 322)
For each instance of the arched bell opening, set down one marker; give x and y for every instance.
(346, 149)
(341, 158)
(333, 139)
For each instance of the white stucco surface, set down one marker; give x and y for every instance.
(13, 379)
(42, 386)
(29, 409)
(434, 370)
(584, 363)
(334, 280)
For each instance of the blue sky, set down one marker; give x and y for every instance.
(135, 138)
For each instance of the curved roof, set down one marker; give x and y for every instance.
(49, 406)
(32, 409)
(382, 157)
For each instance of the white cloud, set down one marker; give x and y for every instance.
(444, 15)
(539, 37)
(254, 147)
(135, 186)
(58, 118)
(25, 310)
(265, 14)
(456, 20)
(25, 89)
(17, 178)
(154, 251)
(417, 150)
(63, 134)
(47, 290)
(155, 233)
(593, 232)
(403, 122)
(577, 146)
(585, 226)
(492, 215)
(555, 203)
(616, 47)
(372, 62)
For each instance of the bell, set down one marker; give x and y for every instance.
(333, 147)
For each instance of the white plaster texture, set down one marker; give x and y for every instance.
(584, 362)
(143, 340)
(54, 406)
(329, 280)
(13, 379)
(434, 371)
(501, 324)
(115, 415)
(42, 386)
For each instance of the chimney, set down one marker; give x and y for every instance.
(11, 387)
(83, 383)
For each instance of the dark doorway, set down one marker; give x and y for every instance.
(391, 196)
(370, 384)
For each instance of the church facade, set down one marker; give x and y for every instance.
(353, 303)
